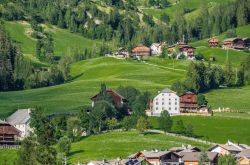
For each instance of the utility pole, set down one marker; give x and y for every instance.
(65, 160)
(236, 76)
(227, 54)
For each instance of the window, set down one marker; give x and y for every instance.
(156, 108)
(176, 108)
(162, 103)
(169, 103)
(169, 108)
(175, 103)
(156, 103)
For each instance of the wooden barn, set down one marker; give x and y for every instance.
(8, 134)
(116, 97)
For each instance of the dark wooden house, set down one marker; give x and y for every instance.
(188, 102)
(116, 97)
(233, 43)
(8, 133)
(246, 42)
(213, 42)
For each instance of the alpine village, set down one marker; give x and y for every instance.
(124, 82)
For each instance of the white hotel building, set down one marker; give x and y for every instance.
(167, 100)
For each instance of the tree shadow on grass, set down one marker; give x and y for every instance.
(75, 77)
(76, 152)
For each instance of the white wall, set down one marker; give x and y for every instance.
(24, 128)
(166, 101)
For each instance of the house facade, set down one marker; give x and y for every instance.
(156, 48)
(246, 42)
(193, 158)
(140, 52)
(20, 120)
(156, 157)
(188, 102)
(122, 53)
(233, 43)
(184, 49)
(213, 42)
(8, 134)
(166, 100)
(229, 148)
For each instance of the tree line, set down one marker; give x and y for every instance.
(126, 28)
(201, 77)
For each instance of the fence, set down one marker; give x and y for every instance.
(9, 146)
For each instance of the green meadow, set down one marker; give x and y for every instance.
(87, 77)
(64, 41)
(193, 5)
(216, 128)
(122, 144)
(112, 145)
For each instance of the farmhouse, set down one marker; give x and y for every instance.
(122, 53)
(166, 100)
(8, 134)
(213, 42)
(116, 97)
(184, 49)
(188, 104)
(229, 148)
(158, 157)
(184, 148)
(20, 120)
(193, 158)
(119, 162)
(233, 43)
(244, 160)
(156, 48)
(246, 42)
(140, 52)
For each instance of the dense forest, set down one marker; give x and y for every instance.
(125, 23)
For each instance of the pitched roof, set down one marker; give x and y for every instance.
(150, 154)
(141, 48)
(154, 154)
(167, 90)
(6, 128)
(227, 147)
(21, 116)
(244, 153)
(213, 39)
(195, 156)
(231, 39)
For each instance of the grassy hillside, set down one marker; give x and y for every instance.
(240, 31)
(113, 145)
(193, 5)
(122, 144)
(234, 98)
(216, 128)
(88, 77)
(64, 41)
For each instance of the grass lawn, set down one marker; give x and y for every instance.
(234, 98)
(7, 157)
(122, 144)
(216, 128)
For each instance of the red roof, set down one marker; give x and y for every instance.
(141, 48)
(8, 129)
(213, 39)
